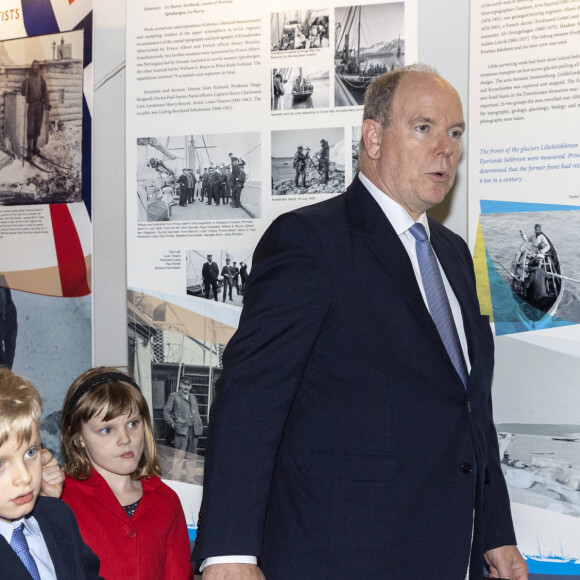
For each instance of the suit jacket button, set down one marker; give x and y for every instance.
(131, 533)
(466, 468)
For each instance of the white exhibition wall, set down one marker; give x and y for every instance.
(443, 43)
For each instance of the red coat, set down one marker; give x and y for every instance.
(152, 545)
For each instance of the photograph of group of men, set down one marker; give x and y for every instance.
(218, 275)
(221, 184)
(199, 177)
(308, 160)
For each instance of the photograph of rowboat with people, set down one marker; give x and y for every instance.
(369, 41)
(534, 269)
(199, 177)
(300, 88)
(299, 29)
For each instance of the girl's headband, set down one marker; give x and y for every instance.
(93, 383)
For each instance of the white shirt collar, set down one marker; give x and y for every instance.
(396, 213)
(30, 524)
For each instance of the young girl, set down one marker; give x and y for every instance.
(126, 514)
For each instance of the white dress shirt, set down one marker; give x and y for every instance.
(401, 222)
(36, 544)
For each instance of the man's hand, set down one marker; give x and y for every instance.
(232, 572)
(52, 475)
(506, 562)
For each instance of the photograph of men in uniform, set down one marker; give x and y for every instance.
(228, 276)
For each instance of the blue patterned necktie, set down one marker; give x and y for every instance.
(437, 299)
(20, 546)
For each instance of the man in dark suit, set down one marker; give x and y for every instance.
(240, 182)
(209, 274)
(348, 438)
(228, 276)
(214, 186)
(182, 181)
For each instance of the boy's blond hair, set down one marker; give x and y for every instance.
(20, 407)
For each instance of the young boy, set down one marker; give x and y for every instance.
(39, 536)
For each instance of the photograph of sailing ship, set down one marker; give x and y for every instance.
(533, 268)
(199, 177)
(369, 41)
(307, 161)
(299, 29)
(300, 88)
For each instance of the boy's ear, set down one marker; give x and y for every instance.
(81, 441)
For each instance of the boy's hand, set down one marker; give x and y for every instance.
(52, 475)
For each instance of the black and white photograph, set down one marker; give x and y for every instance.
(308, 161)
(299, 29)
(199, 177)
(533, 268)
(300, 88)
(177, 354)
(41, 114)
(369, 41)
(180, 395)
(218, 274)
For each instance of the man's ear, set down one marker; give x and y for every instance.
(372, 134)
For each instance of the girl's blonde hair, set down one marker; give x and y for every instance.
(90, 394)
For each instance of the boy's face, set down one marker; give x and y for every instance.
(20, 476)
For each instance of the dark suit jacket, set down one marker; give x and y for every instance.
(342, 441)
(210, 272)
(71, 557)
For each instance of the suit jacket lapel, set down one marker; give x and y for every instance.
(12, 566)
(57, 542)
(384, 243)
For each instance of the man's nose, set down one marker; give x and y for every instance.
(443, 145)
